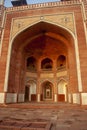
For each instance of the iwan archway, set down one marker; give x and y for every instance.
(42, 52)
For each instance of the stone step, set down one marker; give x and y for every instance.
(24, 125)
(42, 105)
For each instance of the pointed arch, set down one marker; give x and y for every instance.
(31, 63)
(30, 90)
(61, 62)
(68, 31)
(46, 64)
(54, 31)
(47, 90)
(62, 90)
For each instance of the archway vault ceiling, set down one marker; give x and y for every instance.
(45, 45)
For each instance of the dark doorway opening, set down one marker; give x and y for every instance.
(26, 94)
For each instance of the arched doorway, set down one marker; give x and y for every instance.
(62, 91)
(47, 91)
(27, 91)
(30, 91)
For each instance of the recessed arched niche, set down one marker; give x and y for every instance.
(31, 64)
(46, 64)
(61, 62)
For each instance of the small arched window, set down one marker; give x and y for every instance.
(31, 64)
(46, 64)
(61, 62)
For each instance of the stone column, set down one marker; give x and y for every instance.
(55, 97)
(55, 81)
(38, 97)
(38, 83)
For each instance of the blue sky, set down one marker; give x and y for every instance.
(8, 2)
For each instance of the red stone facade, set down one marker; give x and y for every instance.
(43, 53)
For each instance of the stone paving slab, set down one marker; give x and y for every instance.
(26, 125)
(62, 117)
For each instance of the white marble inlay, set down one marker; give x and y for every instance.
(2, 96)
(69, 98)
(55, 97)
(38, 97)
(21, 98)
(11, 98)
(76, 98)
(84, 98)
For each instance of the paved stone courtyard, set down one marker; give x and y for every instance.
(59, 116)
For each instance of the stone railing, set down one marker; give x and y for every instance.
(43, 5)
(61, 69)
(31, 70)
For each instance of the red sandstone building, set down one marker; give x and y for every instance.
(43, 52)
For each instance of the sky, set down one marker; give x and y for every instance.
(8, 2)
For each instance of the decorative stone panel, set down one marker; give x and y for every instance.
(65, 20)
(84, 98)
(11, 98)
(76, 98)
(62, 73)
(20, 97)
(30, 74)
(48, 75)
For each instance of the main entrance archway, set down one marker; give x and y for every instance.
(42, 52)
